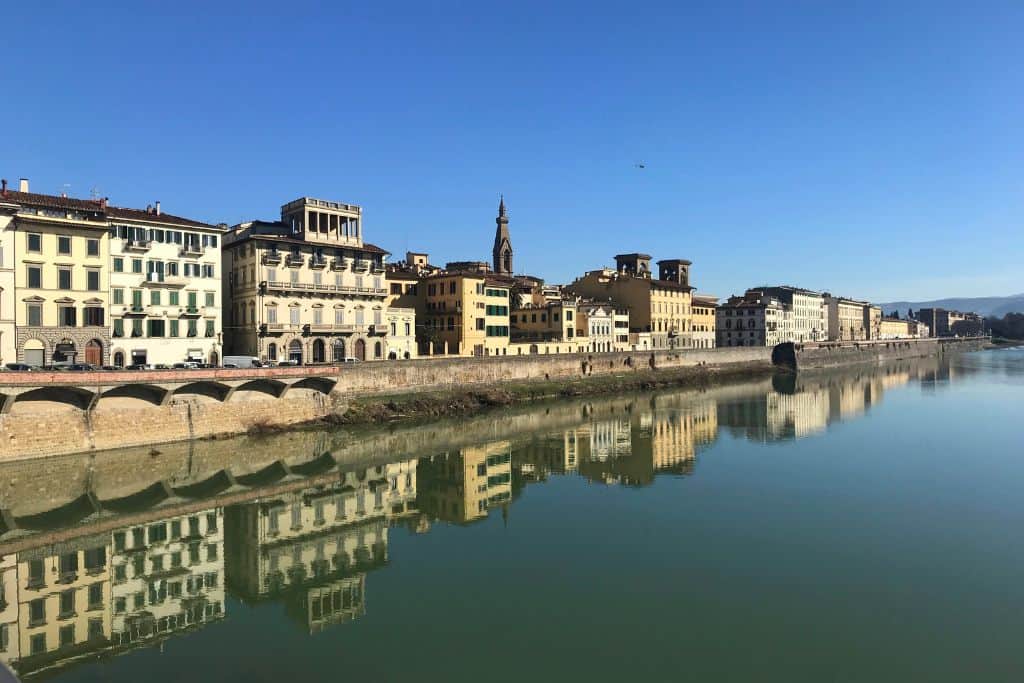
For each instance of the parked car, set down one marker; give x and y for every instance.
(82, 367)
(161, 366)
(21, 367)
(288, 363)
(187, 365)
(111, 368)
(350, 359)
(242, 362)
(137, 366)
(230, 366)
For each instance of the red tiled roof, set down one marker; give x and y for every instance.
(53, 201)
(143, 215)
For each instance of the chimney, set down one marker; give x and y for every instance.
(156, 209)
(103, 203)
(3, 187)
(23, 185)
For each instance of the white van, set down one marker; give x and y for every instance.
(242, 362)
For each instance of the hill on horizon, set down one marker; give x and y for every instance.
(996, 306)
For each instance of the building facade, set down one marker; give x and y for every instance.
(464, 314)
(754, 319)
(807, 310)
(658, 307)
(307, 288)
(845, 319)
(165, 288)
(8, 300)
(61, 276)
(703, 321)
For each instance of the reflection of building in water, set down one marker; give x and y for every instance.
(665, 439)
(167, 576)
(795, 415)
(313, 547)
(9, 640)
(62, 594)
(463, 486)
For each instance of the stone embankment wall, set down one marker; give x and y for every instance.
(57, 413)
(836, 354)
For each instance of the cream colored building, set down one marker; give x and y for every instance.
(872, 321)
(807, 309)
(845, 319)
(61, 272)
(658, 307)
(165, 288)
(10, 643)
(8, 300)
(306, 288)
(703, 321)
(540, 320)
(464, 314)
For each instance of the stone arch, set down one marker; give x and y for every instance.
(295, 351)
(319, 351)
(148, 393)
(378, 350)
(359, 349)
(34, 351)
(117, 358)
(75, 397)
(213, 390)
(338, 350)
(94, 352)
(267, 386)
(324, 385)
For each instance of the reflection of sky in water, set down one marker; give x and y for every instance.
(876, 539)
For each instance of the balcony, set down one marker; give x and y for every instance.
(317, 262)
(294, 260)
(277, 286)
(192, 249)
(190, 311)
(334, 328)
(137, 245)
(378, 267)
(135, 310)
(339, 263)
(271, 258)
(361, 266)
(277, 328)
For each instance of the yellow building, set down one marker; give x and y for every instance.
(846, 319)
(306, 288)
(63, 601)
(658, 307)
(8, 300)
(891, 328)
(464, 314)
(545, 321)
(61, 255)
(702, 322)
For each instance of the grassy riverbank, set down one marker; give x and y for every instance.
(474, 400)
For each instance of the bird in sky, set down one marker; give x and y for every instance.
(640, 165)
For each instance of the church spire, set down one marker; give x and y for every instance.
(502, 251)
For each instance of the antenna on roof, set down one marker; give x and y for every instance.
(65, 188)
(95, 192)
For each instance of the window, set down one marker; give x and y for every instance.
(118, 327)
(136, 265)
(155, 328)
(63, 245)
(37, 611)
(293, 315)
(118, 264)
(93, 316)
(479, 323)
(35, 314)
(172, 299)
(92, 280)
(67, 316)
(67, 602)
(66, 635)
(136, 328)
(96, 596)
(210, 332)
(35, 277)
(271, 314)
(37, 644)
(35, 242)
(92, 247)
(64, 278)
(174, 328)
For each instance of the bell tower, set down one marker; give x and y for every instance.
(502, 252)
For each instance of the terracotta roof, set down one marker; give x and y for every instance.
(53, 201)
(142, 215)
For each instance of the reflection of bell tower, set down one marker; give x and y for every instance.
(502, 252)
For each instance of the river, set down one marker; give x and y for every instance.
(858, 525)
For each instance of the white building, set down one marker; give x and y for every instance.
(165, 299)
(808, 311)
(401, 339)
(596, 326)
(754, 319)
(167, 576)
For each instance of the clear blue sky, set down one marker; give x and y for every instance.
(875, 149)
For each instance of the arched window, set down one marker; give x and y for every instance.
(378, 350)
(295, 351)
(272, 351)
(319, 351)
(338, 350)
